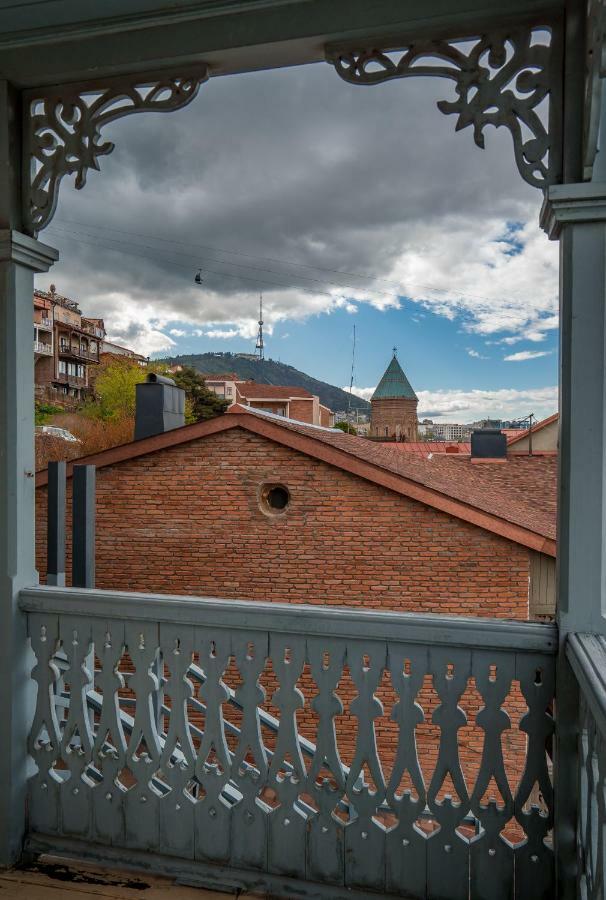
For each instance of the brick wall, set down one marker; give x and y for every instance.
(278, 407)
(302, 411)
(325, 415)
(398, 416)
(188, 520)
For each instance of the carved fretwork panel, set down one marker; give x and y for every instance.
(594, 73)
(378, 765)
(504, 78)
(62, 129)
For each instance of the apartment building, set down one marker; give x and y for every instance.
(288, 401)
(66, 345)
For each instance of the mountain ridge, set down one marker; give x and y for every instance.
(269, 371)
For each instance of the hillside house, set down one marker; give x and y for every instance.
(282, 400)
(66, 348)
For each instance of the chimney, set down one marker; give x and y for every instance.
(160, 406)
(488, 445)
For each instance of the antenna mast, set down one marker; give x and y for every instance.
(259, 345)
(353, 364)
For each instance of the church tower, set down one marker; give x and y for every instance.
(394, 406)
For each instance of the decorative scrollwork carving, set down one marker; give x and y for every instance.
(62, 129)
(501, 79)
(595, 71)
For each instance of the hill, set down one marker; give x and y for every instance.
(268, 371)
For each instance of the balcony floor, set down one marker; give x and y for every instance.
(56, 881)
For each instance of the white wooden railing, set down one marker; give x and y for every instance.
(286, 747)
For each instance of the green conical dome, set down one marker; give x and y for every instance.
(394, 385)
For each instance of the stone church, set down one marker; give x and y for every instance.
(394, 406)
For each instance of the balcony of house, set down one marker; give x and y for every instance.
(71, 380)
(42, 348)
(93, 330)
(43, 323)
(73, 350)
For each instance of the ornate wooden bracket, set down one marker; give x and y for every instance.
(62, 129)
(594, 73)
(501, 79)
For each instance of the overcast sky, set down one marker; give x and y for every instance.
(342, 204)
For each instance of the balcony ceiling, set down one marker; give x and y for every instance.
(55, 41)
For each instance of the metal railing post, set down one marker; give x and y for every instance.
(83, 527)
(55, 525)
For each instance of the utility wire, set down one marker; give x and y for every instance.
(226, 262)
(170, 254)
(395, 285)
(180, 266)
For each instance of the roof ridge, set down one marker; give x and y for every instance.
(477, 498)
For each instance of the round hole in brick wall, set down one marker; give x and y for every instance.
(275, 499)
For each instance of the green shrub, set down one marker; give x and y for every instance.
(44, 412)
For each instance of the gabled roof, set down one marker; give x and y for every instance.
(516, 501)
(394, 385)
(523, 433)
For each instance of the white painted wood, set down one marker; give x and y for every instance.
(286, 809)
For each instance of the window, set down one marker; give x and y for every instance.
(228, 391)
(275, 499)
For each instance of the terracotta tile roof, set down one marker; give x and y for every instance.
(424, 448)
(523, 490)
(252, 390)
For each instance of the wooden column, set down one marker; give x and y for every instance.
(576, 215)
(20, 258)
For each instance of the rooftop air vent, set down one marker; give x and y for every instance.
(488, 444)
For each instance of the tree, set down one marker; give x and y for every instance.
(44, 412)
(116, 384)
(346, 427)
(201, 402)
(115, 390)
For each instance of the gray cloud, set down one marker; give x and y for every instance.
(294, 165)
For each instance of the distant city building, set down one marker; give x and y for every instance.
(281, 400)
(486, 423)
(544, 437)
(353, 416)
(450, 431)
(394, 406)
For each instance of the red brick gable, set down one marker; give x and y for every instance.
(187, 519)
(515, 500)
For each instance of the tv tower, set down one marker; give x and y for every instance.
(259, 344)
